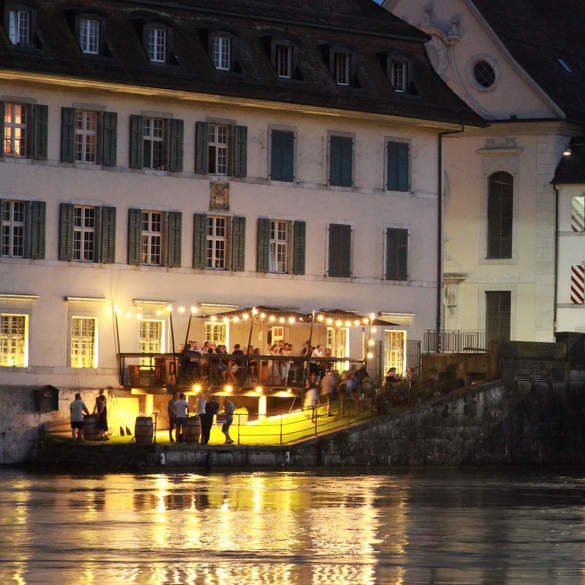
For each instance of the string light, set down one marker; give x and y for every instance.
(338, 323)
(370, 355)
(169, 308)
(372, 316)
(348, 323)
(181, 309)
(213, 318)
(236, 319)
(373, 330)
(194, 309)
(245, 316)
(139, 315)
(225, 319)
(329, 321)
(262, 315)
(291, 320)
(196, 388)
(371, 342)
(272, 318)
(320, 318)
(281, 320)
(228, 388)
(128, 314)
(356, 322)
(254, 311)
(159, 313)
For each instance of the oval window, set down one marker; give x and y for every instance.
(484, 74)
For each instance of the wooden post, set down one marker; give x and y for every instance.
(173, 345)
(119, 358)
(247, 359)
(310, 348)
(178, 373)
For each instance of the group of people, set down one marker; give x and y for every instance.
(78, 410)
(206, 409)
(195, 362)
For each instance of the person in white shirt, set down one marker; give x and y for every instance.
(182, 414)
(201, 402)
(77, 408)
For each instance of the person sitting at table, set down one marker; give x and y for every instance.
(237, 363)
(222, 364)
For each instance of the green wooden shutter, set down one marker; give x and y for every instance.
(174, 231)
(238, 244)
(41, 132)
(200, 240)
(2, 128)
(1, 216)
(396, 254)
(176, 146)
(66, 232)
(263, 244)
(108, 235)
(282, 156)
(68, 135)
(136, 160)
(240, 151)
(339, 250)
(341, 161)
(398, 165)
(299, 229)
(201, 148)
(34, 238)
(109, 139)
(135, 236)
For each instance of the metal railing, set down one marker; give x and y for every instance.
(454, 341)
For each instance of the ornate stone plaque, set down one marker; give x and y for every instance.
(219, 196)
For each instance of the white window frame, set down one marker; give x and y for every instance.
(221, 47)
(19, 26)
(217, 332)
(217, 243)
(338, 343)
(156, 44)
(17, 343)
(12, 220)
(153, 136)
(15, 124)
(86, 132)
(342, 64)
(89, 36)
(150, 344)
(279, 248)
(84, 225)
(84, 342)
(219, 145)
(388, 361)
(399, 75)
(284, 60)
(152, 237)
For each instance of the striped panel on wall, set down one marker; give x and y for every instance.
(577, 284)
(578, 214)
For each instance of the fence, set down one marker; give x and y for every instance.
(455, 341)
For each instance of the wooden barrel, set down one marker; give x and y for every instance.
(143, 429)
(191, 430)
(89, 428)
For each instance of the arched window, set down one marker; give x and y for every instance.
(500, 215)
(578, 214)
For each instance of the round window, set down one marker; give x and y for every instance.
(484, 74)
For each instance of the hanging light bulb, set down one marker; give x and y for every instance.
(181, 309)
(281, 320)
(245, 316)
(158, 313)
(291, 320)
(272, 318)
(213, 318)
(320, 318)
(356, 322)
(169, 308)
(329, 321)
(236, 319)
(193, 309)
(348, 323)
(262, 315)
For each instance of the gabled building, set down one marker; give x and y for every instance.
(213, 156)
(519, 66)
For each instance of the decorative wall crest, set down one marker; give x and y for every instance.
(219, 196)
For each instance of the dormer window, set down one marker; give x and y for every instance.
(284, 61)
(156, 44)
(342, 65)
(221, 52)
(89, 35)
(19, 26)
(399, 76)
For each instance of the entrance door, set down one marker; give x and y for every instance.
(394, 351)
(497, 326)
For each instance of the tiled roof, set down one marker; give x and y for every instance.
(360, 25)
(571, 169)
(544, 36)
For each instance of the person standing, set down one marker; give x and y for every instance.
(228, 408)
(328, 384)
(101, 424)
(211, 409)
(172, 417)
(77, 408)
(201, 402)
(181, 416)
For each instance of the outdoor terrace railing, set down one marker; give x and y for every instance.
(454, 341)
(155, 370)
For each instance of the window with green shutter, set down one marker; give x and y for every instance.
(176, 146)
(221, 149)
(109, 135)
(396, 254)
(174, 225)
(282, 155)
(500, 215)
(40, 131)
(136, 154)
(398, 166)
(108, 235)
(299, 229)
(341, 161)
(23, 130)
(135, 236)
(339, 250)
(263, 242)
(238, 244)
(66, 232)
(200, 240)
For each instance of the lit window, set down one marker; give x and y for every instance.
(154, 143)
(151, 339)
(398, 73)
(279, 249)
(13, 340)
(218, 149)
(216, 332)
(13, 214)
(216, 242)
(15, 123)
(19, 27)
(220, 52)
(156, 44)
(151, 237)
(83, 342)
(84, 234)
(338, 343)
(342, 68)
(284, 60)
(89, 35)
(85, 136)
(394, 351)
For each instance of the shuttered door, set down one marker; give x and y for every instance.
(282, 155)
(398, 160)
(498, 307)
(109, 139)
(500, 215)
(201, 148)
(108, 233)
(339, 250)
(40, 133)
(66, 232)
(68, 135)
(174, 225)
(396, 254)
(136, 160)
(263, 252)
(299, 229)
(134, 236)
(238, 244)
(341, 161)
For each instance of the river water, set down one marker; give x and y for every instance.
(285, 528)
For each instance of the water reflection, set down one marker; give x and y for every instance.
(292, 529)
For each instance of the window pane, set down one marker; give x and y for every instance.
(19, 27)
(13, 333)
(220, 52)
(83, 342)
(15, 123)
(89, 35)
(500, 215)
(12, 221)
(156, 44)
